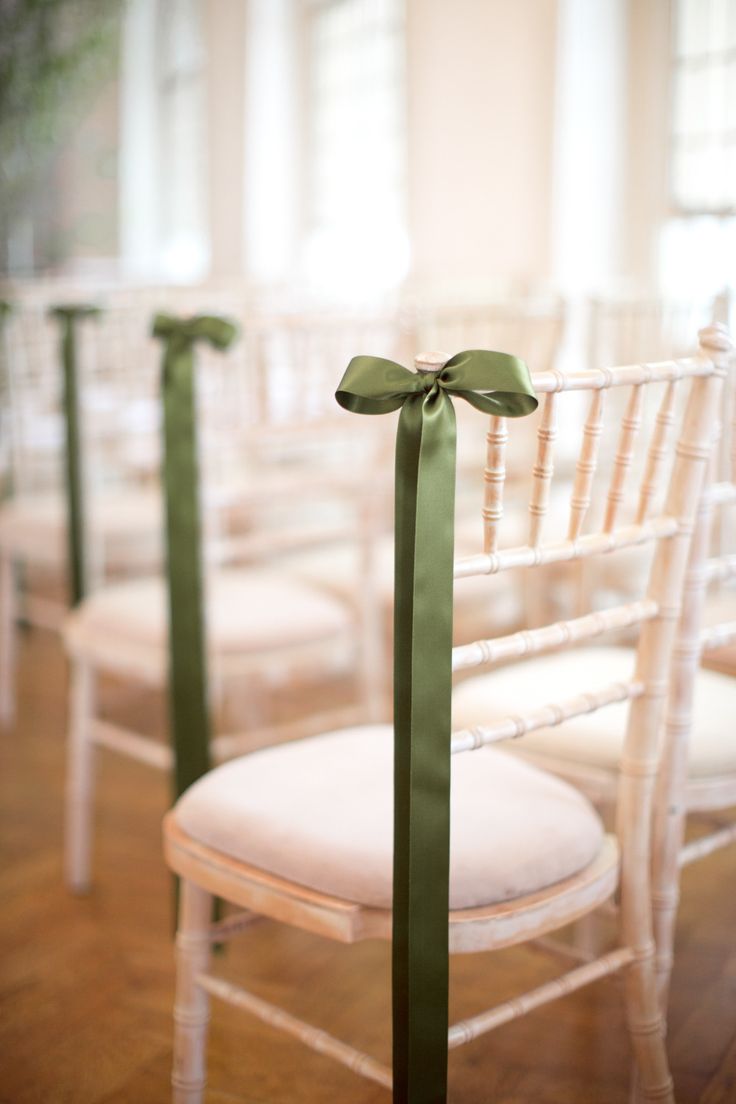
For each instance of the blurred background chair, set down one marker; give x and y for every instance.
(118, 427)
(266, 631)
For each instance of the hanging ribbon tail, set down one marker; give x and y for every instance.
(188, 695)
(6, 309)
(494, 383)
(68, 316)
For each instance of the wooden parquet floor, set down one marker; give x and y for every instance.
(86, 984)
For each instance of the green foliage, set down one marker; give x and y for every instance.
(53, 56)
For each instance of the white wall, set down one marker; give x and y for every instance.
(481, 76)
(225, 34)
(272, 140)
(536, 155)
(590, 145)
(646, 205)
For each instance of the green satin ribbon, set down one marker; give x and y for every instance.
(188, 699)
(6, 309)
(69, 316)
(494, 383)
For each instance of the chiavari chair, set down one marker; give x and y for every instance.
(301, 834)
(264, 629)
(698, 757)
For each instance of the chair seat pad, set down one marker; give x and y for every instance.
(595, 738)
(247, 611)
(720, 606)
(319, 812)
(30, 523)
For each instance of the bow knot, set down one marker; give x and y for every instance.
(68, 312)
(218, 332)
(494, 383)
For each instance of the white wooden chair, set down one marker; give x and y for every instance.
(698, 775)
(125, 512)
(303, 834)
(699, 754)
(264, 628)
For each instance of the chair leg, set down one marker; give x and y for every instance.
(192, 1004)
(80, 777)
(652, 1080)
(665, 899)
(668, 835)
(8, 615)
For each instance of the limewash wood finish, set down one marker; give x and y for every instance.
(677, 795)
(623, 863)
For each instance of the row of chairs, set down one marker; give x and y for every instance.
(301, 833)
(220, 838)
(261, 407)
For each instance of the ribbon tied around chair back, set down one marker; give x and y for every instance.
(495, 384)
(6, 309)
(188, 697)
(69, 316)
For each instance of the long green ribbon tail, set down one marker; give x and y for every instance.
(494, 383)
(6, 309)
(69, 317)
(188, 697)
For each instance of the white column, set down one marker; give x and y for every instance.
(225, 35)
(589, 157)
(272, 140)
(140, 168)
(589, 142)
(649, 92)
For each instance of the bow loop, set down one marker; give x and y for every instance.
(372, 385)
(216, 331)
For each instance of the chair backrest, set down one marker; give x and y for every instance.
(712, 560)
(33, 416)
(291, 362)
(659, 512)
(530, 328)
(622, 329)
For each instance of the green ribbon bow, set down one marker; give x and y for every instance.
(494, 383)
(69, 315)
(188, 701)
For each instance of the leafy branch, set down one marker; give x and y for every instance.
(54, 54)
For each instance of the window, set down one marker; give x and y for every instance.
(163, 153)
(182, 130)
(703, 156)
(355, 144)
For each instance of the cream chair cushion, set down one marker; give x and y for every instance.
(319, 812)
(34, 526)
(594, 738)
(247, 611)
